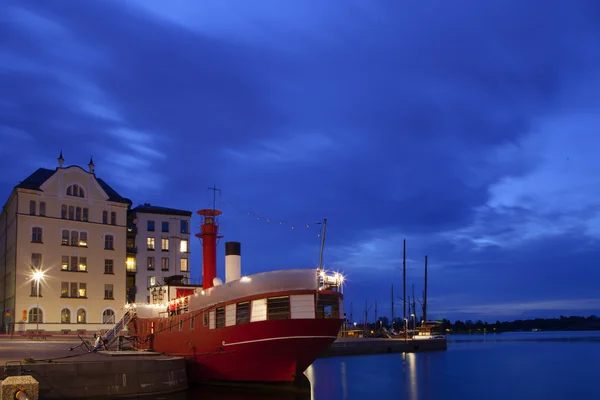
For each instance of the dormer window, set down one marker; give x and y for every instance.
(75, 190)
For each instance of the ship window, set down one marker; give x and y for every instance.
(181, 324)
(328, 306)
(278, 308)
(220, 317)
(242, 313)
(205, 320)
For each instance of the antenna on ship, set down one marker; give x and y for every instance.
(322, 244)
(425, 293)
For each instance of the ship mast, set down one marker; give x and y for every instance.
(322, 244)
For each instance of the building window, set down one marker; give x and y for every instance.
(74, 287)
(34, 287)
(82, 289)
(108, 292)
(82, 264)
(220, 317)
(78, 213)
(109, 242)
(81, 314)
(74, 238)
(65, 316)
(165, 264)
(130, 264)
(36, 315)
(42, 209)
(108, 267)
(36, 234)
(64, 289)
(183, 246)
(164, 244)
(74, 263)
(36, 260)
(64, 265)
(165, 226)
(108, 316)
(151, 281)
(242, 313)
(63, 212)
(105, 217)
(150, 226)
(184, 226)
(183, 265)
(150, 242)
(71, 212)
(83, 239)
(150, 264)
(31, 207)
(113, 218)
(75, 190)
(65, 238)
(86, 214)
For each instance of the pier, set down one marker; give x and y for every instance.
(365, 346)
(77, 374)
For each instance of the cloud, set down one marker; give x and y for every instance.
(467, 130)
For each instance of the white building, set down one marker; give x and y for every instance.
(158, 246)
(69, 226)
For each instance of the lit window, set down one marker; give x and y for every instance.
(81, 316)
(150, 241)
(65, 316)
(183, 265)
(82, 264)
(65, 263)
(165, 244)
(130, 264)
(82, 290)
(64, 289)
(83, 239)
(183, 247)
(150, 263)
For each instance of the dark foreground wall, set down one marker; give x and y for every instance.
(113, 377)
(362, 346)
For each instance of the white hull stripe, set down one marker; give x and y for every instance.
(278, 338)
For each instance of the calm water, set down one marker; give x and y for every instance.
(527, 365)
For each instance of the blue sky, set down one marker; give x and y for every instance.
(468, 128)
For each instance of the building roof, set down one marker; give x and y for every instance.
(150, 209)
(41, 175)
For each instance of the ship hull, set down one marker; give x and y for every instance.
(263, 351)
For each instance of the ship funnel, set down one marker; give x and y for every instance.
(233, 261)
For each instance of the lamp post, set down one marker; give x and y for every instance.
(38, 275)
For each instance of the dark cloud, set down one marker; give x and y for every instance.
(392, 120)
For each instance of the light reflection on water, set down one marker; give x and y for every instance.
(550, 365)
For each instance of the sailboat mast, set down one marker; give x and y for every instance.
(404, 283)
(392, 321)
(425, 293)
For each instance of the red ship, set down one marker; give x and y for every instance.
(267, 327)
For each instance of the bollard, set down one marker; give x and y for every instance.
(19, 388)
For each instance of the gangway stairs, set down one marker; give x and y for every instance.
(112, 334)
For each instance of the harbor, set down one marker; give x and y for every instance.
(62, 367)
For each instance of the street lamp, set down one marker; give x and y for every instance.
(37, 276)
